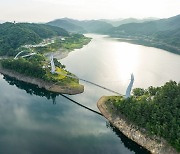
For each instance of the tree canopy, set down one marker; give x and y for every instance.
(12, 36)
(157, 109)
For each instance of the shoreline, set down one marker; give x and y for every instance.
(43, 84)
(153, 144)
(148, 43)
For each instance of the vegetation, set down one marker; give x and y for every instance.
(13, 36)
(83, 26)
(155, 109)
(163, 33)
(37, 66)
(27, 67)
(67, 25)
(74, 41)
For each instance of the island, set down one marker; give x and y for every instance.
(26, 55)
(150, 117)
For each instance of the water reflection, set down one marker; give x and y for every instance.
(126, 59)
(30, 124)
(35, 90)
(32, 89)
(127, 143)
(22, 114)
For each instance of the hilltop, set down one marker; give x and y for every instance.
(12, 36)
(82, 26)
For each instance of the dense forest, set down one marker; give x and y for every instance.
(14, 35)
(30, 67)
(155, 109)
(37, 66)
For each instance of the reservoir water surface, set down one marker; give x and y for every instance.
(35, 121)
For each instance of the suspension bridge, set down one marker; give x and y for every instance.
(53, 70)
(128, 91)
(95, 84)
(83, 106)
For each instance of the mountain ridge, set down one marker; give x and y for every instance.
(87, 26)
(12, 35)
(163, 33)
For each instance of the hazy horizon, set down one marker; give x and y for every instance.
(47, 10)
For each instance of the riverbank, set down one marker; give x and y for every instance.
(149, 43)
(153, 144)
(71, 90)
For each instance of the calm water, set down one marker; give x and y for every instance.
(35, 121)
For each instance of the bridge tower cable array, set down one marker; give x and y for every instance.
(53, 70)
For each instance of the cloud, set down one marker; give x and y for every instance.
(44, 10)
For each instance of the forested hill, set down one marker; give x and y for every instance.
(68, 25)
(12, 36)
(162, 33)
(83, 26)
(156, 109)
(146, 28)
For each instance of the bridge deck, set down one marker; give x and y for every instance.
(95, 84)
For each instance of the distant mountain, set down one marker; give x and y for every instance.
(84, 26)
(119, 22)
(147, 28)
(12, 36)
(163, 33)
(67, 25)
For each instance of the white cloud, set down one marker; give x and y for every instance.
(44, 10)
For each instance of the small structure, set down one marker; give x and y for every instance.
(129, 88)
(18, 54)
(52, 65)
(27, 55)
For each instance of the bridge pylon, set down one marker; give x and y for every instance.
(129, 88)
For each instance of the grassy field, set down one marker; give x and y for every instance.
(70, 43)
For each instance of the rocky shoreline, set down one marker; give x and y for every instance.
(153, 144)
(43, 84)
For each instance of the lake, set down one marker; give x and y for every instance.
(35, 121)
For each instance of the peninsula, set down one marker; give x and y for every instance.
(25, 55)
(150, 117)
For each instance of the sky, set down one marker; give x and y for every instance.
(47, 10)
